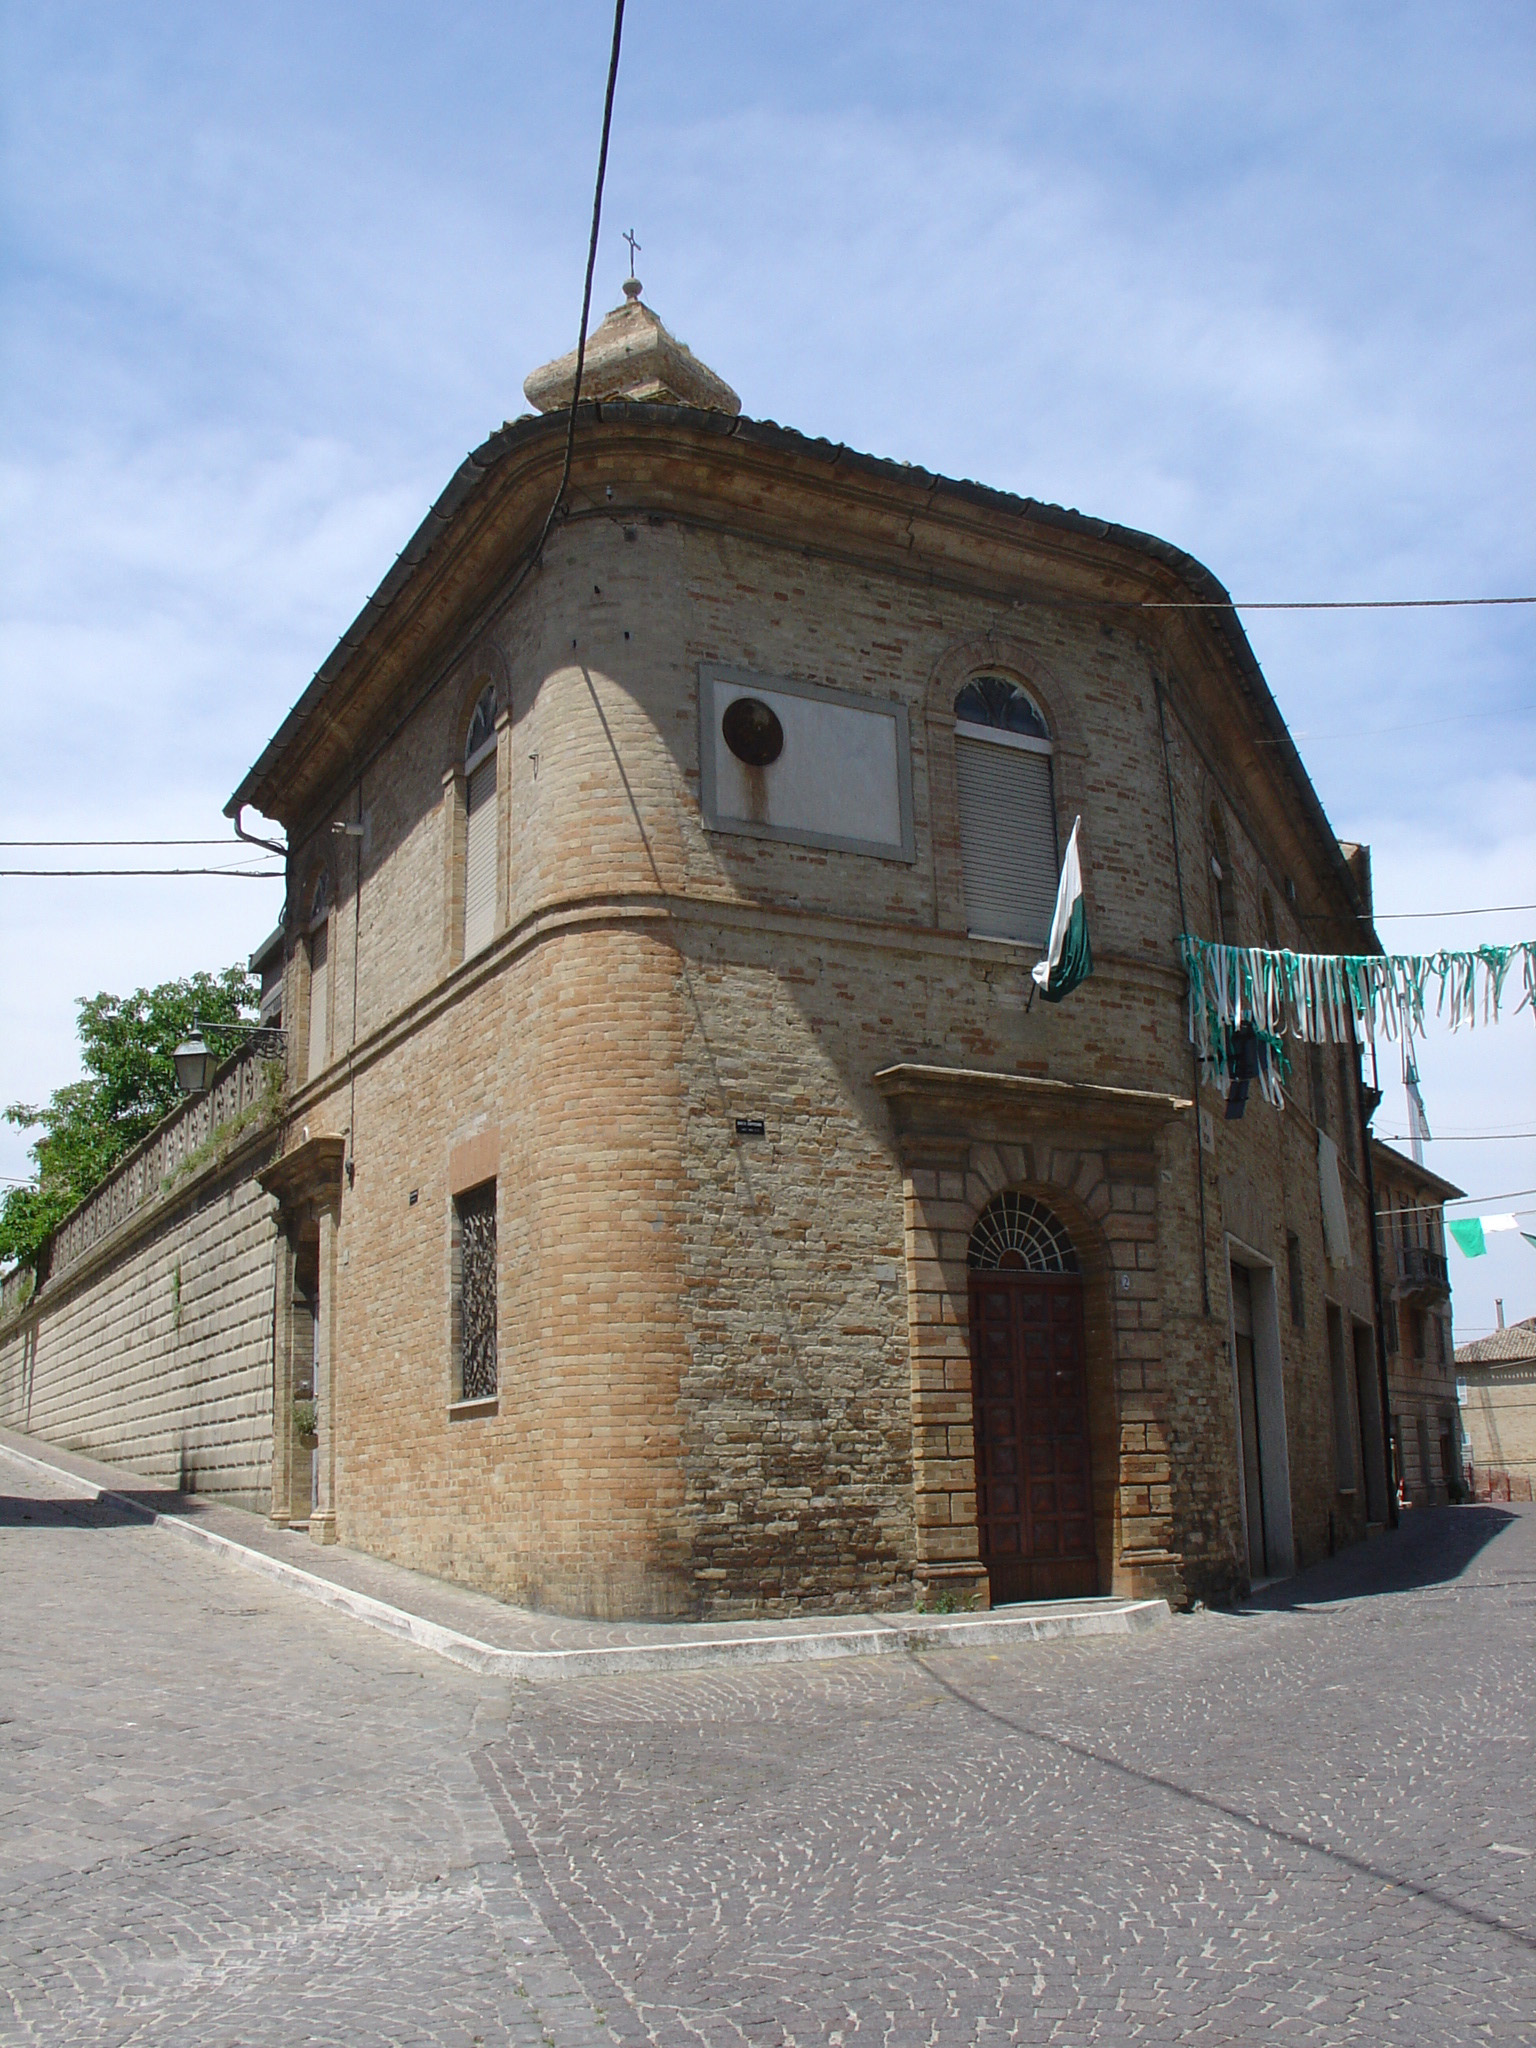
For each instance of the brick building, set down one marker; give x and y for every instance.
(1424, 1422)
(682, 1207)
(1497, 1388)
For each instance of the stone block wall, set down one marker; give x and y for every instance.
(154, 1349)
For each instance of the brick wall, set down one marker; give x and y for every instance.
(715, 1364)
(1499, 1415)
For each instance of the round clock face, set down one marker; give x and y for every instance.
(752, 732)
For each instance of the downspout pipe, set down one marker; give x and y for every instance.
(1384, 1393)
(251, 838)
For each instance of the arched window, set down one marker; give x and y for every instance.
(1007, 811)
(480, 824)
(1015, 1234)
(318, 1049)
(1223, 894)
(1271, 929)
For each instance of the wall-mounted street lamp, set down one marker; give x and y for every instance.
(195, 1063)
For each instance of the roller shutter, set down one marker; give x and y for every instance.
(319, 998)
(1008, 840)
(480, 859)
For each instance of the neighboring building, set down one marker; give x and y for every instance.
(1421, 1368)
(1497, 1376)
(266, 963)
(682, 1205)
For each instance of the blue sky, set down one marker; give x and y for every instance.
(1260, 279)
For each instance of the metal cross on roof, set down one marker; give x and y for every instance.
(633, 246)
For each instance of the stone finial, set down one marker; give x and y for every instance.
(632, 356)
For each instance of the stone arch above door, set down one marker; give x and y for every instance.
(1089, 1156)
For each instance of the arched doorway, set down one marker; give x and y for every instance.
(1029, 1391)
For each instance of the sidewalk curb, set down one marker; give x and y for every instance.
(866, 1638)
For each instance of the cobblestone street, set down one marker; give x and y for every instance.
(231, 1817)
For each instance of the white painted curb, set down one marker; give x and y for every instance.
(864, 1638)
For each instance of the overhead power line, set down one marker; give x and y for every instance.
(1457, 1137)
(1372, 732)
(77, 874)
(1457, 1201)
(115, 842)
(1318, 604)
(1477, 910)
(586, 294)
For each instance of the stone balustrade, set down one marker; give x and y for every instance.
(242, 1086)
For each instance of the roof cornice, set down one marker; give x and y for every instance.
(444, 585)
(1400, 1166)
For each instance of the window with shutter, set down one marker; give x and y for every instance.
(1007, 812)
(319, 997)
(480, 825)
(480, 858)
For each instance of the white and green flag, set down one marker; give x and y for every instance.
(1068, 958)
(1469, 1233)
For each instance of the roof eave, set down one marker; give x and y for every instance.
(1400, 1163)
(477, 467)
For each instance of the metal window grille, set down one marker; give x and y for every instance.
(476, 1289)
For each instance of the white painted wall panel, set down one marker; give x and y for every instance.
(842, 778)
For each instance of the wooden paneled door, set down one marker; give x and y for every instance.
(1034, 1496)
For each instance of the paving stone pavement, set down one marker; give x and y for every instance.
(232, 1818)
(504, 1641)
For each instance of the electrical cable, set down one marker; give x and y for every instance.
(1454, 1202)
(1371, 732)
(1477, 910)
(586, 295)
(114, 842)
(1194, 1063)
(1322, 604)
(1398, 916)
(228, 874)
(532, 560)
(1456, 1137)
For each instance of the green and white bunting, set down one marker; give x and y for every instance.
(1342, 998)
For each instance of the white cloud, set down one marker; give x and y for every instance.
(1259, 280)
(1482, 1080)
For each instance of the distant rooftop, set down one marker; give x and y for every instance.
(1515, 1345)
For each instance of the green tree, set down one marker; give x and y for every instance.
(126, 1043)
